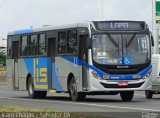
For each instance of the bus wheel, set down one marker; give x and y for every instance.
(74, 95)
(149, 94)
(127, 96)
(32, 93)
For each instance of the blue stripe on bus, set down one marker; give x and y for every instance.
(23, 31)
(73, 59)
(102, 73)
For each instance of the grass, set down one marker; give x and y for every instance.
(5, 108)
(44, 112)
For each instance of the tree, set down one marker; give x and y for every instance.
(2, 58)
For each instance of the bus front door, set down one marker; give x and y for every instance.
(15, 72)
(83, 55)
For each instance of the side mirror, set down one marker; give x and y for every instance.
(152, 40)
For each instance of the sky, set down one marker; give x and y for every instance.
(22, 14)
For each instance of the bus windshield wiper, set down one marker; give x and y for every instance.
(130, 41)
(112, 40)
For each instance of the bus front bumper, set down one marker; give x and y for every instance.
(110, 85)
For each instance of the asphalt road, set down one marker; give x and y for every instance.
(105, 105)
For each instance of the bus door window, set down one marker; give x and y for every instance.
(83, 47)
(15, 50)
(52, 48)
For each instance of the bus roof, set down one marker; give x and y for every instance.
(48, 28)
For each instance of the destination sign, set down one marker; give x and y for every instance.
(120, 25)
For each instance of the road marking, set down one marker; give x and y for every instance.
(139, 95)
(85, 104)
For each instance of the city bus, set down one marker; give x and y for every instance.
(90, 58)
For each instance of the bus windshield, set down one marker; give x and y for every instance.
(121, 49)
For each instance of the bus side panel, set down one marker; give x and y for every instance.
(39, 69)
(67, 65)
(55, 81)
(10, 73)
(23, 72)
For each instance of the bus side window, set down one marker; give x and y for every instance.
(33, 47)
(62, 45)
(23, 46)
(42, 45)
(9, 47)
(72, 42)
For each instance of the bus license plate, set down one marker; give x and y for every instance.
(122, 83)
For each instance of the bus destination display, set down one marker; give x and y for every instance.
(120, 26)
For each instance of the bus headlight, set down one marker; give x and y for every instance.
(147, 75)
(94, 74)
(137, 77)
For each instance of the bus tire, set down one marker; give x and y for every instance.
(127, 96)
(148, 94)
(32, 93)
(74, 95)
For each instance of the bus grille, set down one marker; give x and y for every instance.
(122, 71)
(116, 85)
